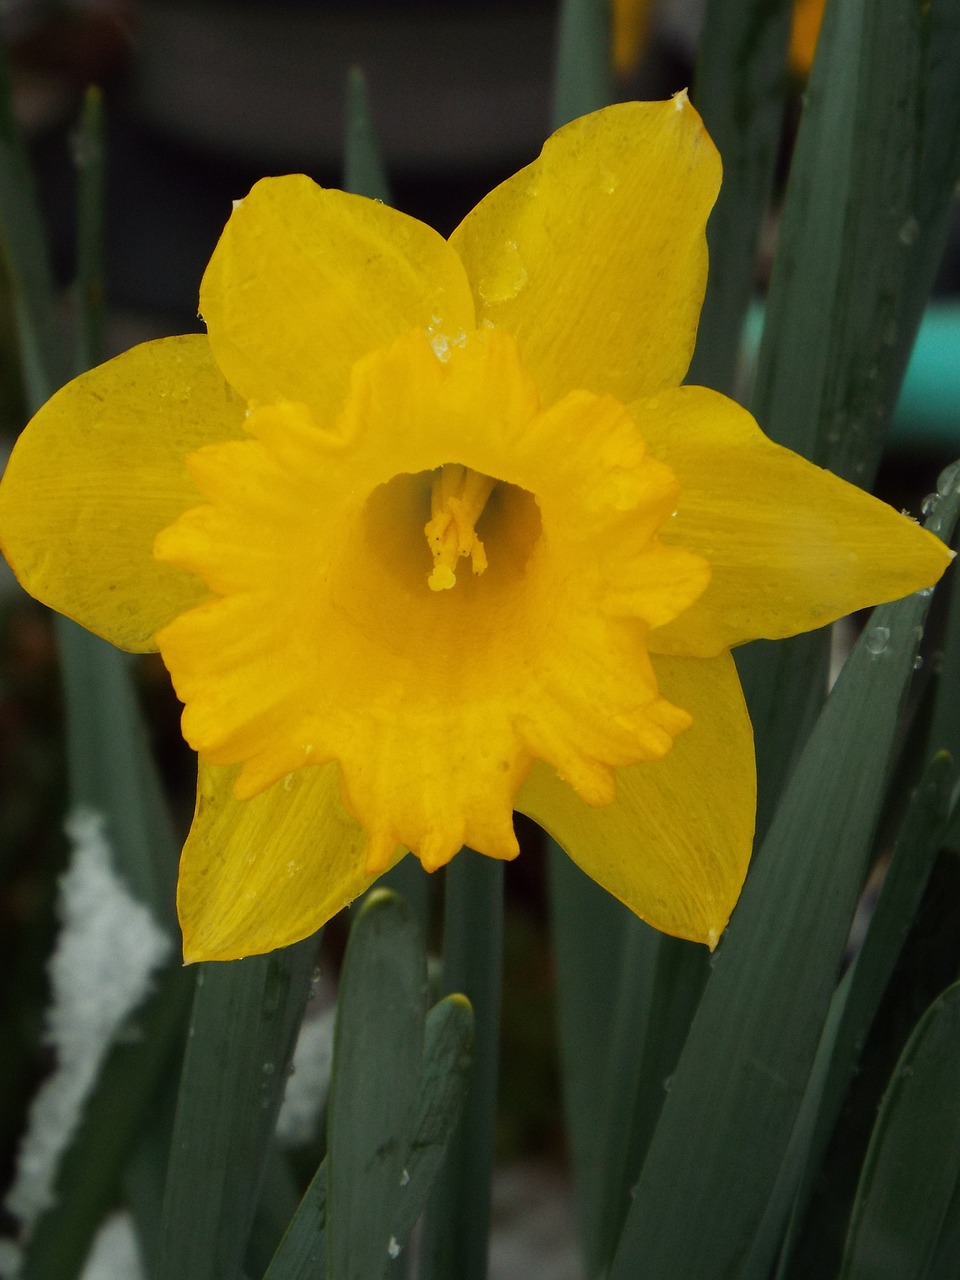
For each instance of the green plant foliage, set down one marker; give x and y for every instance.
(373, 1093)
(740, 91)
(444, 1079)
(736, 1091)
(243, 1028)
(457, 1223)
(852, 1009)
(912, 1170)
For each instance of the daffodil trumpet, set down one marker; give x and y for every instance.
(428, 530)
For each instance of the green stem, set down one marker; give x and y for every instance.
(583, 80)
(739, 89)
(89, 159)
(457, 1225)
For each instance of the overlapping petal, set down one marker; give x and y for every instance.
(594, 257)
(790, 546)
(100, 469)
(304, 281)
(262, 873)
(675, 843)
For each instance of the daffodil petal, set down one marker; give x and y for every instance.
(98, 471)
(790, 546)
(675, 844)
(262, 873)
(594, 256)
(304, 281)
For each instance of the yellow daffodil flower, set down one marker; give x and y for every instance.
(428, 530)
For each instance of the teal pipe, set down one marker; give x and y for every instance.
(927, 416)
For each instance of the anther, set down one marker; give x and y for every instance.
(457, 500)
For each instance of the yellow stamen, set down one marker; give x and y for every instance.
(457, 500)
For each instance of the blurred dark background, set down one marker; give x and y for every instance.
(202, 99)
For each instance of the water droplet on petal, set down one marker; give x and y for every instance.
(393, 1248)
(506, 278)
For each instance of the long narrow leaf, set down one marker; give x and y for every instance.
(373, 1088)
(363, 171)
(853, 1008)
(739, 89)
(447, 1059)
(457, 1224)
(658, 990)
(90, 159)
(590, 937)
(246, 1014)
(88, 1179)
(109, 765)
(912, 1167)
(26, 258)
(864, 224)
(737, 1089)
(583, 78)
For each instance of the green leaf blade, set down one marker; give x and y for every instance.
(243, 1028)
(457, 1223)
(739, 89)
(735, 1095)
(583, 78)
(373, 1094)
(363, 171)
(853, 1008)
(864, 228)
(447, 1059)
(912, 1167)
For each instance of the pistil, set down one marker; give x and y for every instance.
(457, 500)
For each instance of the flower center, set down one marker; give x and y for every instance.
(457, 499)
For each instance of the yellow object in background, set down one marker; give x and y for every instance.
(629, 28)
(807, 17)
